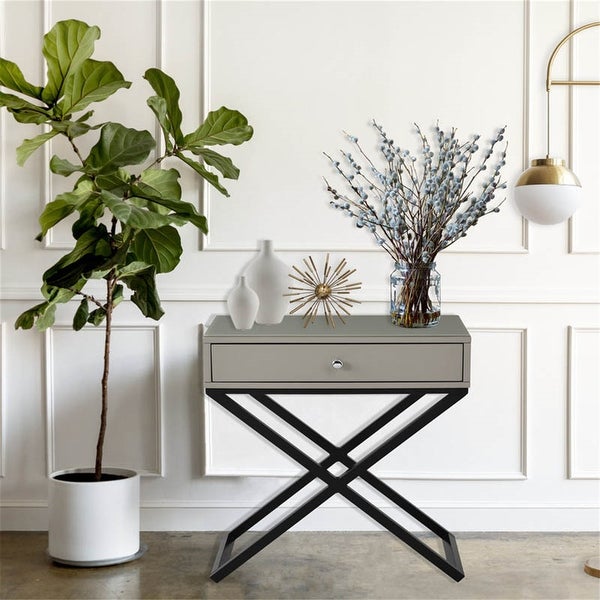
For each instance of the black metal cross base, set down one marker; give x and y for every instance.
(226, 561)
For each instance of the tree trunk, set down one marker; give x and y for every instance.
(103, 415)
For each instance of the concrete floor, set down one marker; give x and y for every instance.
(313, 565)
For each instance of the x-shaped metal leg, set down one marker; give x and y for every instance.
(226, 561)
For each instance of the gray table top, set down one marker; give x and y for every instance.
(357, 326)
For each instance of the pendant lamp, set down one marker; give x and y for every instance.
(548, 192)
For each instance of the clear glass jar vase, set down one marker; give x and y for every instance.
(415, 299)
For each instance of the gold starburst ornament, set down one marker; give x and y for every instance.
(328, 290)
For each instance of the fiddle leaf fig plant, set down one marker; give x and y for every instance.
(125, 220)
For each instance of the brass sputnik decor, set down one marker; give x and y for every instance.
(328, 290)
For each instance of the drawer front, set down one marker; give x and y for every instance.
(231, 363)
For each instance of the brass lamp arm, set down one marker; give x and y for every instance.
(550, 82)
(567, 37)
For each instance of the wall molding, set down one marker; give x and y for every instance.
(161, 17)
(459, 516)
(523, 393)
(385, 475)
(574, 245)
(573, 472)
(335, 502)
(48, 365)
(2, 399)
(203, 94)
(521, 474)
(371, 294)
(205, 244)
(2, 141)
(527, 70)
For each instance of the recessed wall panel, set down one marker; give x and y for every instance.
(74, 363)
(2, 397)
(454, 446)
(303, 72)
(584, 405)
(457, 444)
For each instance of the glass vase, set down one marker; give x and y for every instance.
(415, 299)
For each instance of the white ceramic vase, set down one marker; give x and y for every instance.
(243, 305)
(267, 275)
(94, 523)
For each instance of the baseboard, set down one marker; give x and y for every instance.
(194, 516)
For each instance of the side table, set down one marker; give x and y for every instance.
(368, 355)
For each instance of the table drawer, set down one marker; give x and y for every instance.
(406, 363)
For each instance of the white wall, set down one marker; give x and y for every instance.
(519, 452)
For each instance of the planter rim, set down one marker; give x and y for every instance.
(126, 473)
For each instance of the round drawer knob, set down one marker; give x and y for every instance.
(337, 364)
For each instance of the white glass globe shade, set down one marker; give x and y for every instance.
(548, 192)
(548, 204)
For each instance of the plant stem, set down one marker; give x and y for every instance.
(110, 285)
(75, 148)
(87, 297)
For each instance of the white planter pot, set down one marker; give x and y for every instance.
(94, 523)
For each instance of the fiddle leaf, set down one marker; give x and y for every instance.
(28, 147)
(23, 111)
(158, 106)
(61, 166)
(12, 77)
(91, 250)
(145, 296)
(223, 164)
(81, 315)
(212, 178)
(27, 319)
(96, 317)
(66, 46)
(131, 215)
(166, 88)
(118, 146)
(222, 126)
(162, 183)
(93, 82)
(160, 248)
(63, 205)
